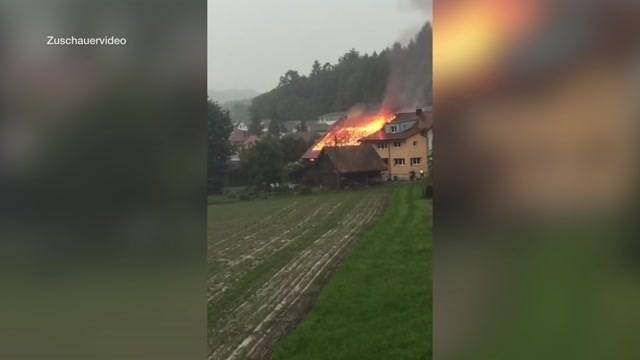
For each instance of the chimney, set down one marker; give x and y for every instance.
(422, 120)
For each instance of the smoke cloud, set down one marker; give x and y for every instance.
(424, 6)
(410, 79)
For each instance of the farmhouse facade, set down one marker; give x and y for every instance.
(404, 145)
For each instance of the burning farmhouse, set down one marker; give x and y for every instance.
(365, 148)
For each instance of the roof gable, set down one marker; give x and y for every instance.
(238, 135)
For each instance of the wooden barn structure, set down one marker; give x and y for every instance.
(341, 166)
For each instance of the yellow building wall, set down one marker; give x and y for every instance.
(406, 151)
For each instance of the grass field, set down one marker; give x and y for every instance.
(268, 260)
(378, 303)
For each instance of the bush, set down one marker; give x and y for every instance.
(428, 188)
(305, 190)
(428, 192)
(214, 186)
(244, 197)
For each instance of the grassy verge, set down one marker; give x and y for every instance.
(378, 304)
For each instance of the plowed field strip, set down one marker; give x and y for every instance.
(264, 280)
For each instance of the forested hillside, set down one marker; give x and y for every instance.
(400, 76)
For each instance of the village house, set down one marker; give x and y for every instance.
(238, 137)
(251, 141)
(264, 125)
(337, 167)
(331, 118)
(240, 125)
(242, 139)
(317, 128)
(292, 126)
(404, 145)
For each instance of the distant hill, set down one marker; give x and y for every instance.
(238, 110)
(228, 95)
(398, 77)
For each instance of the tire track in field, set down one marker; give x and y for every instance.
(250, 329)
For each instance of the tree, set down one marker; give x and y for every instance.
(295, 171)
(289, 78)
(350, 57)
(219, 148)
(327, 67)
(263, 163)
(303, 126)
(316, 69)
(255, 126)
(293, 147)
(276, 127)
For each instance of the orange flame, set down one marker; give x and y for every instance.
(349, 131)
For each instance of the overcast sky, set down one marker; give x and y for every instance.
(253, 42)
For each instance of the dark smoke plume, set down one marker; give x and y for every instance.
(410, 78)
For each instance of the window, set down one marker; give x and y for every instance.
(416, 161)
(397, 144)
(398, 162)
(394, 129)
(385, 161)
(415, 143)
(382, 145)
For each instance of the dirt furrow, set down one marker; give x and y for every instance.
(259, 224)
(234, 270)
(300, 288)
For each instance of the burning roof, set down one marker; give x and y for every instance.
(381, 135)
(349, 130)
(352, 130)
(421, 121)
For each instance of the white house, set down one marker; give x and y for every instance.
(332, 118)
(240, 125)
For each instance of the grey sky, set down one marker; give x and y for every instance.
(253, 42)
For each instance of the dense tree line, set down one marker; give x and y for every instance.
(261, 164)
(219, 149)
(400, 74)
(272, 159)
